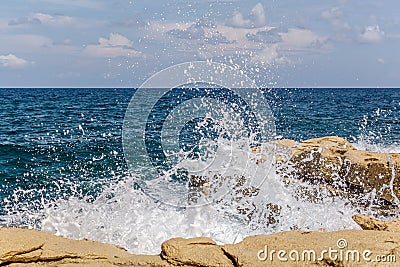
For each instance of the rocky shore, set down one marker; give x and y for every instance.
(331, 162)
(376, 246)
(336, 164)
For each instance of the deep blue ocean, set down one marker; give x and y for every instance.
(55, 143)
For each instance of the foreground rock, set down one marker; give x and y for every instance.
(21, 247)
(300, 248)
(28, 247)
(194, 252)
(334, 161)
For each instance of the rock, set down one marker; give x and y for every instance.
(369, 223)
(334, 161)
(200, 251)
(23, 246)
(330, 162)
(263, 250)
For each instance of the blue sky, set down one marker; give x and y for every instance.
(285, 43)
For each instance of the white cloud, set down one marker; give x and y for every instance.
(239, 36)
(267, 55)
(265, 45)
(259, 14)
(12, 61)
(115, 40)
(344, 31)
(294, 43)
(334, 16)
(238, 20)
(116, 46)
(92, 4)
(44, 19)
(255, 19)
(301, 38)
(215, 40)
(48, 20)
(371, 34)
(54, 20)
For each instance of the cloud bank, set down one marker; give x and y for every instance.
(116, 46)
(372, 34)
(12, 61)
(255, 19)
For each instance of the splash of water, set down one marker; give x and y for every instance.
(126, 216)
(379, 131)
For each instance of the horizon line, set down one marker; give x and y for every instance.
(291, 87)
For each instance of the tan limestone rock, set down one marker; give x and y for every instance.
(333, 160)
(263, 250)
(34, 247)
(200, 251)
(22, 247)
(369, 223)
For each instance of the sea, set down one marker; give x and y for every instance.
(64, 166)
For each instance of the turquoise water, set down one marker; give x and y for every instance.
(59, 144)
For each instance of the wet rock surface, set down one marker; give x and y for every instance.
(330, 162)
(334, 162)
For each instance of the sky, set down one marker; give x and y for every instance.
(281, 43)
